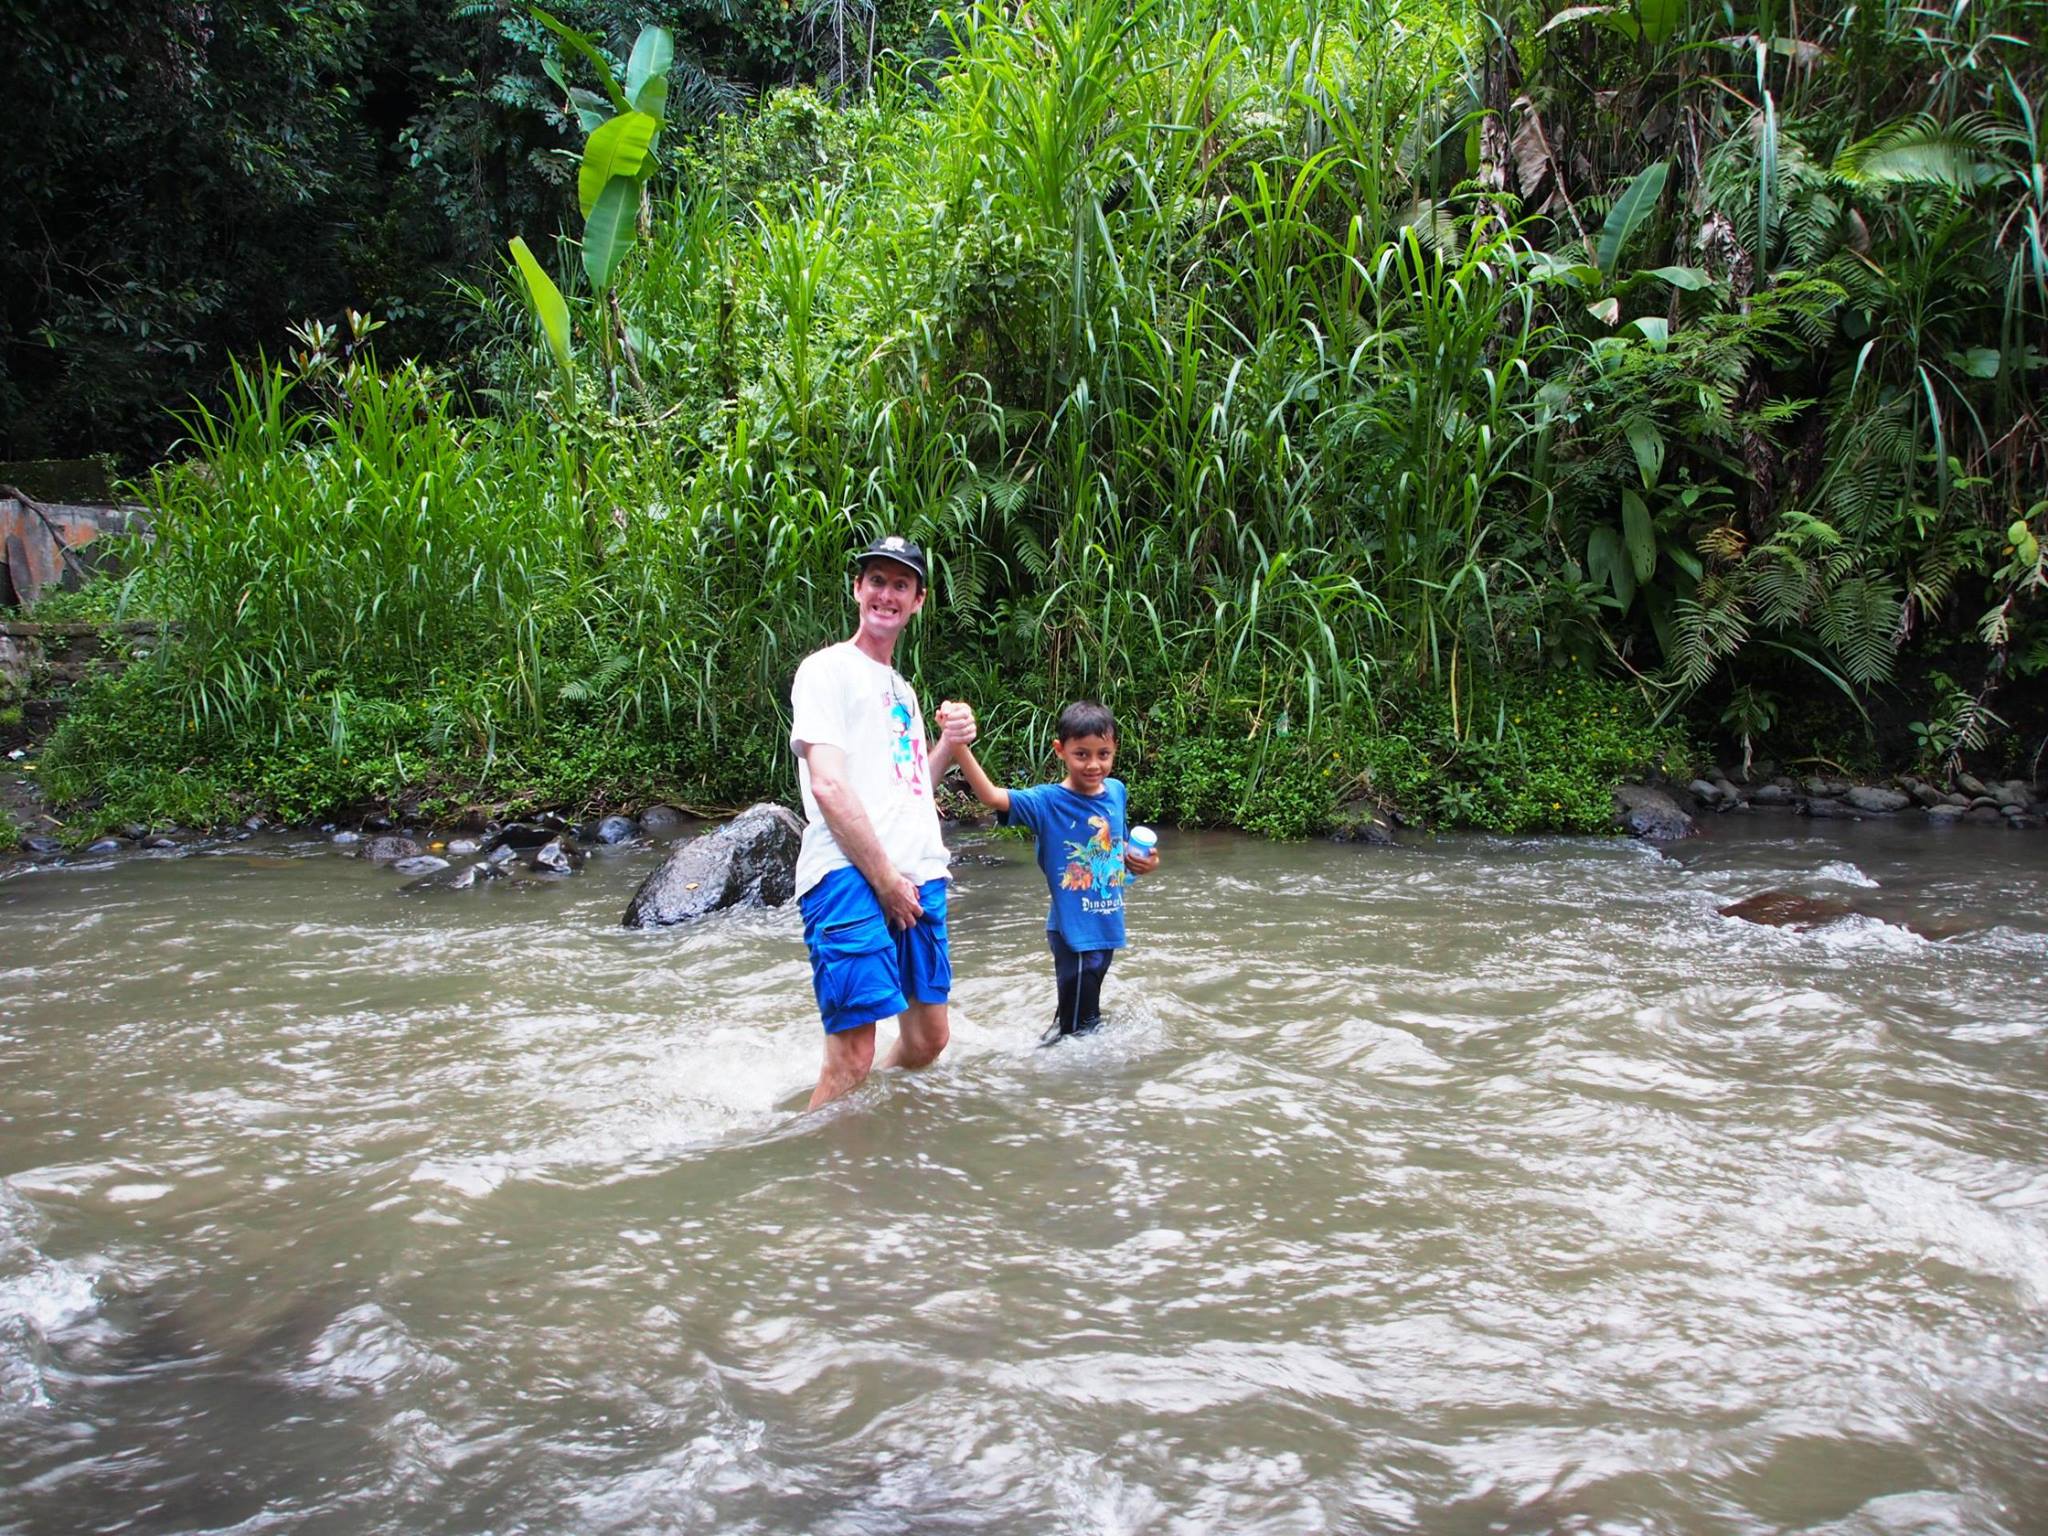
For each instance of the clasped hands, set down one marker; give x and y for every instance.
(956, 722)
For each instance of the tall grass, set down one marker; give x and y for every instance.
(374, 539)
(1199, 345)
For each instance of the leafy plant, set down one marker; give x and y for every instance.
(1328, 378)
(1959, 723)
(1750, 712)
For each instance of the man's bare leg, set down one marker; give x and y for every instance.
(922, 1034)
(848, 1057)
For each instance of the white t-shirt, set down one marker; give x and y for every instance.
(844, 698)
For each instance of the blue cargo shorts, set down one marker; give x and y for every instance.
(862, 970)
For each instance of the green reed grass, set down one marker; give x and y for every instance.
(1178, 331)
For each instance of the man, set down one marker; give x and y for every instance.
(871, 874)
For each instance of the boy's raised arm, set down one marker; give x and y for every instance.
(986, 789)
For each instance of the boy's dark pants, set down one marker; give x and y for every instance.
(1079, 973)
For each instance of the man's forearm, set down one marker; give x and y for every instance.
(847, 820)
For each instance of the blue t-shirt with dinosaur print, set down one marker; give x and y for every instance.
(1081, 850)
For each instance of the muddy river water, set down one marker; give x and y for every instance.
(1471, 1186)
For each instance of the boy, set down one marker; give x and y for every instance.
(1079, 826)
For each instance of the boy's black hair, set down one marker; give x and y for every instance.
(1085, 717)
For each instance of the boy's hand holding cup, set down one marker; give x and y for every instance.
(1141, 850)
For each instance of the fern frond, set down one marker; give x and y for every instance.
(1921, 151)
(1932, 574)
(1723, 541)
(1032, 554)
(1701, 637)
(1783, 587)
(1859, 622)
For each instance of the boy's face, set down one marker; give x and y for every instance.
(1088, 760)
(886, 594)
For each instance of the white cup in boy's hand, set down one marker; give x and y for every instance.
(1141, 841)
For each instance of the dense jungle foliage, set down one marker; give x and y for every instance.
(1439, 400)
(185, 180)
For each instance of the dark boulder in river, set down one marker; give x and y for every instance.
(450, 877)
(1651, 813)
(1360, 821)
(614, 830)
(522, 835)
(664, 822)
(557, 856)
(1828, 810)
(1788, 909)
(750, 861)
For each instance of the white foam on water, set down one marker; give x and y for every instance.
(1093, 1498)
(367, 1350)
(1851, 934)
(39, 1297)
(136, 1194)
(68, 1180)
(1999, 939)
(49, 1296)
(1908, 1211)
(1210, 1375)
(1919, 1513)
(674, 1491)
(1607, 1069)
(474, 1179)
(1843, 872)
(42, 1292)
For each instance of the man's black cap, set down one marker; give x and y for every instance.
(893, 546)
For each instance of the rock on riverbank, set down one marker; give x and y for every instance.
(750, 860)
(1650, 813)
(2020, 804)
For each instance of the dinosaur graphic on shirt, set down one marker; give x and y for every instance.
(1096, 863)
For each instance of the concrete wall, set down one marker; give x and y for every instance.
(44, 544)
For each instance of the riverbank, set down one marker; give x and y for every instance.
(1545, 756)
(97, 755)
(488, 842)
(96, 750)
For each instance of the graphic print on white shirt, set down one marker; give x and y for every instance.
(908, 750)
(844, 698)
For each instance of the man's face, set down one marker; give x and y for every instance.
(887, 594)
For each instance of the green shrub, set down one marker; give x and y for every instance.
(1195, 347)
(1539, 752)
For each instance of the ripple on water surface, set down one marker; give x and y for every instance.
(1481, 1184)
